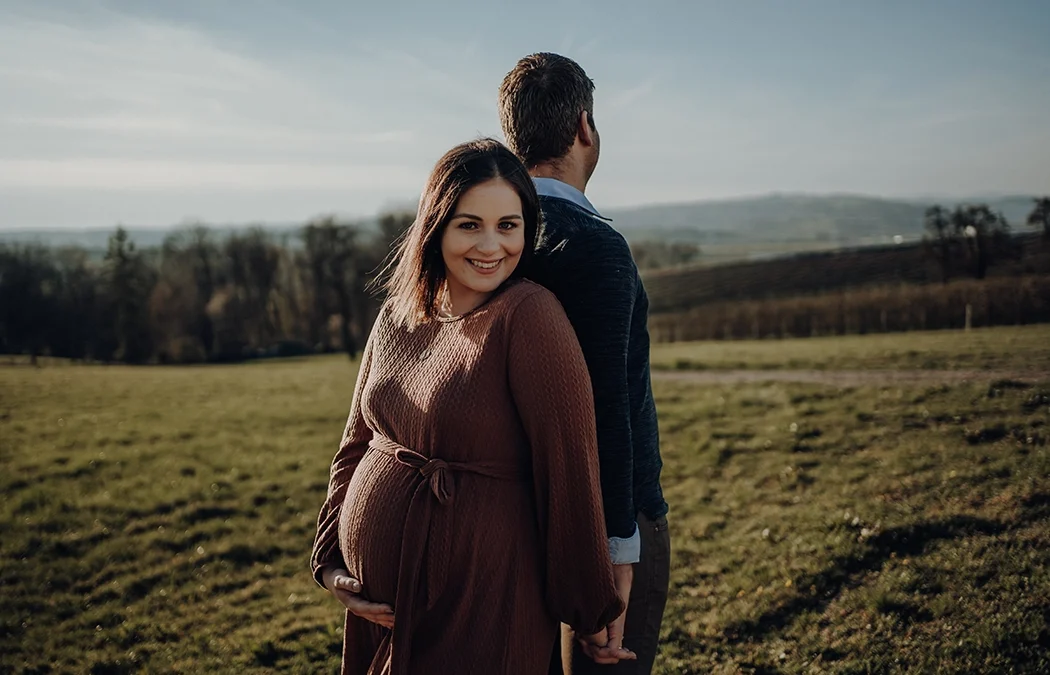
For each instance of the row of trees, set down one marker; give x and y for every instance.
(654, 255)
(960, 303)
(196, 298)
(970, 238)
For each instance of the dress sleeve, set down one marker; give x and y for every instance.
(354, 443)
(552, 391)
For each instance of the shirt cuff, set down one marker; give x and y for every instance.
(626, 551)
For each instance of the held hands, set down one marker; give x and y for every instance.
(606, 647)
(347, 590)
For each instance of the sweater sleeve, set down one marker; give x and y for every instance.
(552, 392)
(600, 282)
(354, 443)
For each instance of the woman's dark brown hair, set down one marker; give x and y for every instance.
(418, 275)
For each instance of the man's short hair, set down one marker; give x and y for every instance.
(540, 101)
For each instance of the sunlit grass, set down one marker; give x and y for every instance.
(857, 530)
(160, 520)
(1010, 348)
(164, 516)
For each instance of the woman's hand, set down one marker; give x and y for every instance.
(606, 647)
(347, 590)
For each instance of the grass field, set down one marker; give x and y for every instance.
(1023, 348)
(160, 519)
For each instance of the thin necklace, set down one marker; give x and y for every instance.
(445, 309)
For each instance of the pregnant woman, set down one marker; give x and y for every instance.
(465, 493)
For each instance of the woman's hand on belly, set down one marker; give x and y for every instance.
(346, 590)
(371, 522)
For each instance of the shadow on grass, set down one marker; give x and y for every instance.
(202, 513)
(268, 653)
(844, 571)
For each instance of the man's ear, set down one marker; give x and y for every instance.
(584, 130)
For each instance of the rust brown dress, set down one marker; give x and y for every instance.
(465, 493)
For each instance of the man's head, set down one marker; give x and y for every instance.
(546, 109)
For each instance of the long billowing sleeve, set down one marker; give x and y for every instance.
(352, 447)
(552, 391)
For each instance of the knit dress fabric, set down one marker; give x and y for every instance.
(465, 492)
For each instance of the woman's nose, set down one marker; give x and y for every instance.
(488, 243)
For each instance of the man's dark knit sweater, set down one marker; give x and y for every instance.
(588, 266)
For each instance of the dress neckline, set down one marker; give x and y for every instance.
(496, 293)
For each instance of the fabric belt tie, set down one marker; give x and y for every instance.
(421, 536)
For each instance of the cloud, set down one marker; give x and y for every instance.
(137, 93)
(589, 47)
(420, 74)
(626, 97)
(133, 175)
(125, 60)
(182, 128)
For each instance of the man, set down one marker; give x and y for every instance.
(546, 108)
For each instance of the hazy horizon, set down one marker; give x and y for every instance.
(943, 200)
(152, 114)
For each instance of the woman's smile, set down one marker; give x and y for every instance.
(485, 266)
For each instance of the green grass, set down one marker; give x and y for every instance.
(1001, 348)
(164, 516)
(718, 254)
(160, 520)
(858, 530)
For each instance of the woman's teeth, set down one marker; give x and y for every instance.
(484, 265)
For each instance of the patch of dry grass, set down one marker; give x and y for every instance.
(1010, 348)
(160, 520)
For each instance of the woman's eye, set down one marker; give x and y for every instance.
(468, 225)
(508, 225)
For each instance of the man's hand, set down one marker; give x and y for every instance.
(606, 647)
(347, 590)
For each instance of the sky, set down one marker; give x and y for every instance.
(150, 113)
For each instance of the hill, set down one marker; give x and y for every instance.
(686, 288)
(806, 220)
(97, 239)
(847, 219)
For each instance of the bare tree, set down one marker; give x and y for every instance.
(652, 255)
(331, 255)
(941, 238)
(1040, 215)
(28, 285)
(985, 235)
(129, 282)
(191, 268)
(252, 260)
(77, 334)
(392, 225)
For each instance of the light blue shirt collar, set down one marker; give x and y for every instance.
(552, 187)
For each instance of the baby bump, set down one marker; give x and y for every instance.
(372, 521)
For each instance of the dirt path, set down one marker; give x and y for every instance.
(850, 378)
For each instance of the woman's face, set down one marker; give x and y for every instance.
(482, 243)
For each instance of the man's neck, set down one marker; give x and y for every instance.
(564, 174)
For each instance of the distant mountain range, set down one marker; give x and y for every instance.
(144, 237)
(842, 219)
